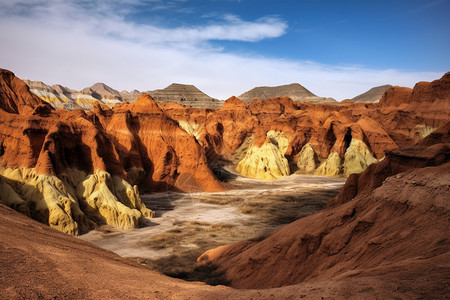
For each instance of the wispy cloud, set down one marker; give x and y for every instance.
(78, 43)
(107, 18)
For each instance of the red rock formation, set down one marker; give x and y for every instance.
(400, 119)
(411, 114)
(171, 147)
(174, 157)
(397, 161)
(108, 140)
(15, 96)
(136, 142)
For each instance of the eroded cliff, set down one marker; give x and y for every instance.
(75, 170)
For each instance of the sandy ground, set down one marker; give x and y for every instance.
(38, 262)
(186, 225)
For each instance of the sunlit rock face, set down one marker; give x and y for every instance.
(75, 202)
(357, 158)
(332, 166)
(307, 160)
(278, 139)
(265, 162)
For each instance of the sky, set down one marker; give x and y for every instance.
(335, 48)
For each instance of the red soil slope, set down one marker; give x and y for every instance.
(38, 262)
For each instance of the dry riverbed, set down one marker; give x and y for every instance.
(186, 225)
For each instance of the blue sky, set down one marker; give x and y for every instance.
(225, 47)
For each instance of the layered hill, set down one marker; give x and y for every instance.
(62, 97)
(187, 95)
(294, 91)
(388, 227)
(99, 93)
(75, 169)
(373, 95)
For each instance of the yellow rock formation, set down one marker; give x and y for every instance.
(421, 131)
(100, 203)
(48, 200)
(9, 197)
(307, 159)
(278, 139)
(74, 203)
(357, 158)
(86, 101)
(192, 128)
(332, 166)
(266, 162)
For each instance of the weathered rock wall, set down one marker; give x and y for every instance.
(75, 169)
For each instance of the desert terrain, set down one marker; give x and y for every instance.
(187, 224)
(265, 198)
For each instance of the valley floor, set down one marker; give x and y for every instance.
(186, 225)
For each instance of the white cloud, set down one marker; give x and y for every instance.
(106, 19)
(78, 45)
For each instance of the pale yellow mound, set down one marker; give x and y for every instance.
(192, 128)
(357, 158)
(307, 159)
(332, 166)
(266, 162)
(278, 139)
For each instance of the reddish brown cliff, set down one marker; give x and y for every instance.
(341, 139)
(74, 169)
(15, 96)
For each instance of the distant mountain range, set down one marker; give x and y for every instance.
(62, 97)
(373, 95)
(295, 91)
(188, 95)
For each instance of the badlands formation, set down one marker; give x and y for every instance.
(75, 169)
(384, 235)
(389, 223)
